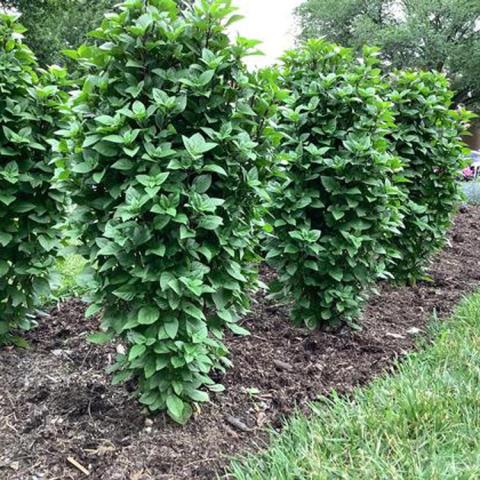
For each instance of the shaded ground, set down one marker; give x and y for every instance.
(56, 401)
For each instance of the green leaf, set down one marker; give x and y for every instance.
(136, 351)
(336, 274)
(238, 330)
(93, 309)
(197, 395)
(106, 120)
(48, 244)
(215, 169)
(202, 183)
(330, 184)
(139, 109)
(122, 377)
(172, 328)
(159, 251)
(7, 199)
(113, 139)
(217, 388)
(206, 77)
(100, 338)
(3, 267)
(5, 238)
(210, 222)
(175, 407)
(104, 148)
(148, 315)
(194, 311)
(196, 145)
(234, 270)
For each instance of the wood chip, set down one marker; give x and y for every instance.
(136, 475)
(394, 335)
(237, 423)
(414, 331)
(261, 419)
(78, 466)
(283, 365)
(42, 314)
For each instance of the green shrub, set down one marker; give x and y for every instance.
(30, 206)
(427, 139)
(335, 205)
(164, 174)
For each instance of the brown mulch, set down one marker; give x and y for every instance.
(56, 401)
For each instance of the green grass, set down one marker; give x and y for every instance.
(422, 423)
(68, 271)
(472, 192)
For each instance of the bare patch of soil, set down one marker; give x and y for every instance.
(56, 401)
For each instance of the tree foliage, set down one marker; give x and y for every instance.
(166, 181)
(55, 25)
(30, 206)
(427, 139)
(438, 35)
(334, 205)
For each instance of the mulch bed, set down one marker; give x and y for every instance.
(56, 401)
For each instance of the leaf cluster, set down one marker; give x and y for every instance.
(30, 206)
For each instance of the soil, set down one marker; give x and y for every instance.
(56, 401)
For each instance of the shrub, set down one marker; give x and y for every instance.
(427, 138)
(164, 173)
(30, 206)
(335, 205)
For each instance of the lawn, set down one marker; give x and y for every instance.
(472, 191)
(69, 269)
(422, 423)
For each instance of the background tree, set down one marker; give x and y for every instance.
(54, 25)
(441, 35)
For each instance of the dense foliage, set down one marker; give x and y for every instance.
(30, 207)
(335, 205)
(427, 34)
(427, 139)
(166, 182)
(165, 150)
(55, 25)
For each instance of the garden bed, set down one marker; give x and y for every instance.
(56, 401)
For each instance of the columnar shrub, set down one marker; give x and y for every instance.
(427, 138)
(166, 182)
(335, 206)
(30, 206)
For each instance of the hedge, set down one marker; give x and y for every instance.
(30, 204)
(335, 205)
(173, 154)
(167, 179)
(427, 138)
